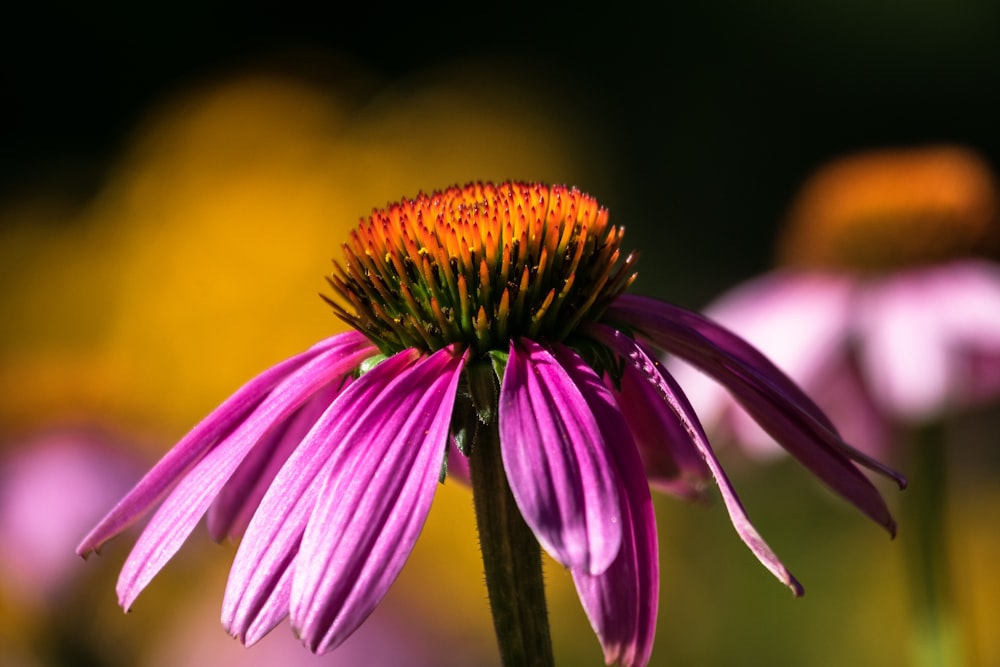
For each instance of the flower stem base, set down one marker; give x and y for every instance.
(511, 559)
(936, 639)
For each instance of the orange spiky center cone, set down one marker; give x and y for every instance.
(480, 265)
(893, 209)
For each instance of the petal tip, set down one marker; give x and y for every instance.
(126, 597)
(88, 545)
(249, 638)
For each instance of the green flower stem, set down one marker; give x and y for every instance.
(511, 558)
(934, 633)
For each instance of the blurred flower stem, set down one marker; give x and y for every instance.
(512, 558)
(934, 632)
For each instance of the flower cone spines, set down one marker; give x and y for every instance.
(480, 265)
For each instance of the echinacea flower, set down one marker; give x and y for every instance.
(499, 305)
(886, 308)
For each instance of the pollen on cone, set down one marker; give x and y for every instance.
(496, 260)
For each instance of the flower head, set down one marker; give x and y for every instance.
(326, 464)
(887, 305)
(479, 266)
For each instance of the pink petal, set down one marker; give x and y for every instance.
(797, 319)
(673, 464)
(709, 347)
(458, 465)
(203, 437)
(928, 338)
(846, 396)
(801, 321)
(679, 405)
(232, 509)
(766, 393)
(274, 608)
(621, 603)
(557, 461)
(968, 294)
(186, 504)
(903, 349)
(374, 502)
(260, 580)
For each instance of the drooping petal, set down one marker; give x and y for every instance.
(797, 319)
(811, 446)
(673, 463)
(206, 435)
(260, 580)
(621, 602)
(846, 397)
(703, 343)
(374, 502)
(791, 418)
(670, 392)
(184, 507)
(557, 461)
(274, 608)
(802, 321)
(232, 509)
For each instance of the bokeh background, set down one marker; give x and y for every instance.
(174, 179)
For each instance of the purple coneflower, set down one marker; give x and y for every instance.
(495, 318)
(887, 307)
(887, 310)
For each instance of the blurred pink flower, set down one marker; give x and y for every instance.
(888, 309)
(387, 638)
(53, 485)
